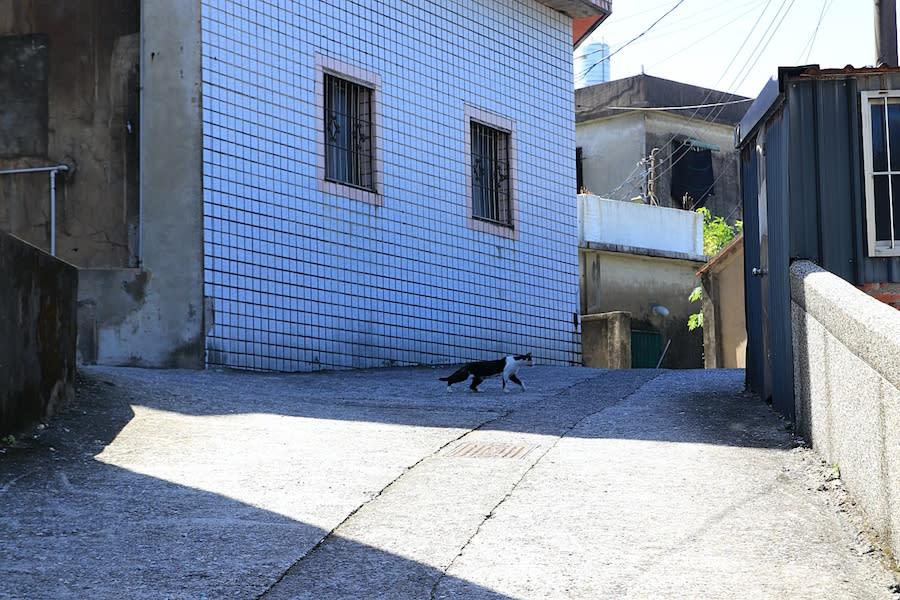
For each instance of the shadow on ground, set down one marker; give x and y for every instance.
(75, 527)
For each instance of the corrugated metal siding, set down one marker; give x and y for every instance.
(826, 177)
(803, 190)
(815, 209)
(837, 192)
(781, 361)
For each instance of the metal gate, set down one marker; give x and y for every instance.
(645, 348)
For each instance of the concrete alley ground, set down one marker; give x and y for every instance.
(380, 484)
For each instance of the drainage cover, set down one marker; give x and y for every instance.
(470, 450)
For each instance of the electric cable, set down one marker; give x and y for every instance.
(709, 94)
(826, 4)
(640, 35)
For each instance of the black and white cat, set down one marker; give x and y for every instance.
(505, 367)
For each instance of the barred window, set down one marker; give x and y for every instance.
(490, 174)
(349, 156)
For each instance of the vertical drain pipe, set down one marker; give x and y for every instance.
(142, 65)
(53, 173)
(53, 212)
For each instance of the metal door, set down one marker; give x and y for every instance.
(645, 348)
(761, 271)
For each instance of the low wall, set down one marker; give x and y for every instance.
(606, 340)
(630, 226)
(37, 334)
(847, 388)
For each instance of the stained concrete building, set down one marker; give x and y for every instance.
(293, 185)
(656, 139)
(642, 260)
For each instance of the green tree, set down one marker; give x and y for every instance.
(717, 234)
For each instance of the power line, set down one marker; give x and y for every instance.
(700, 39)
(826, 4)
(748, 65)
(637, 37)
(651, 108)
(709, 94)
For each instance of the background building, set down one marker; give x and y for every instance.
(644, 136)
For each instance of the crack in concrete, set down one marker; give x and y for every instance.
(512, 489)
(309, 553)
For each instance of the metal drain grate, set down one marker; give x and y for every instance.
(470, 450)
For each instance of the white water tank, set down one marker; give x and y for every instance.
(591, 64)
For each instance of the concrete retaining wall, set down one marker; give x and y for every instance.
(724, 323)
(847, 388)
(37, 333)
(606, 340)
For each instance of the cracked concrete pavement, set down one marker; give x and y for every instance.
(380, 484)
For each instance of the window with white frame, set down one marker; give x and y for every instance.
(491, 173)
(881, 159)
(349, 156)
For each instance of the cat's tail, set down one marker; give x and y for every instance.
(460, 375)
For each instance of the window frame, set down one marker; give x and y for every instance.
(328, 67)
(875, 247)
(509, 228)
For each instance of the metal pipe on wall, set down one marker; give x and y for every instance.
(53, 170)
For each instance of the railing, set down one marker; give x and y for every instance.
(53, 170)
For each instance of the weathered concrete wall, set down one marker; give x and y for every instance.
(606, 340)
(847, 388)
(37, 333)
(636, 283)
(612, 146)
(634, 225)
(610, 149)
(70, 95)
(110, 300)
(724, 322)
(661, 127)
(154, 316)
(124, 158)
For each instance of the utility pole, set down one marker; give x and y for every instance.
(651, 183)
(886, 33)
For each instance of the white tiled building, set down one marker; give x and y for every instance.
(302, 184)
(388, 182)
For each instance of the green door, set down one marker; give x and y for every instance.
(646, 347)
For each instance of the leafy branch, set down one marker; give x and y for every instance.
(717, 234)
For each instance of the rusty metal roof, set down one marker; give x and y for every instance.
(772, 95)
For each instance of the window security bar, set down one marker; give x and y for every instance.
(490, 174)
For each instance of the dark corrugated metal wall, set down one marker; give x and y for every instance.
(824, 175)
(827, 191)
(815, 209)
(780, 358)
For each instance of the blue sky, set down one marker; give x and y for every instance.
(735, 45)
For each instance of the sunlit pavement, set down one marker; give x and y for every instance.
(378, 483)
